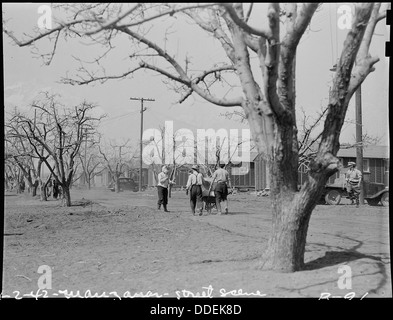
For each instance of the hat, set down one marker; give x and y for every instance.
(351, 163)
(195, 167)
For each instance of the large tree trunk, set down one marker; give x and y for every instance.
(291, 212)
(33, 188)
(66, 196)
(43, 194)
(117, 183)
(18, 188)
(291, 209)
(44, 188)
(291, 216)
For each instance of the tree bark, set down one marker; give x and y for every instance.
(291, 216)
(43, 194)
(66, 196)
(291, 209)
(117, 183)
(33, 188)
(44, 188)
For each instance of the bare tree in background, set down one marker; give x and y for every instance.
(13, 174)
(89, 157)
(113, 157)
(158, 155)
(23, 154)
(267, 92)
(58, 130)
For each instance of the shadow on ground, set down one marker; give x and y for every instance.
(332, 258)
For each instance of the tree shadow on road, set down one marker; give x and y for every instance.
(332, 258)
(338, 257)
(232, 213)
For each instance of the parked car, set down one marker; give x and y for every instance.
(374, 193)
(126, 184)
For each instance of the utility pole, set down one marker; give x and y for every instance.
(141, 135)
(359, 136)
(359, 142)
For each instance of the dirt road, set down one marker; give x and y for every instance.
(120, 243)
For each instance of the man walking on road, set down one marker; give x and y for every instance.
(221, 176)
(162, 188)
(194, 187)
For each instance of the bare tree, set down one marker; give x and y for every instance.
(14, 175)
(22, 152)
(114, 160)
(268, 92)
(58, 130)
(89, 157)
(159, 155)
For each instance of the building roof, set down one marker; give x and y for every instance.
(370, 151)
(378, 152)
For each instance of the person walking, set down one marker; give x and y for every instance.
(221, 176)
(194, 187)
(353, 178)
(162, 188)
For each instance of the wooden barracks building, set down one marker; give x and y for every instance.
(375, 169)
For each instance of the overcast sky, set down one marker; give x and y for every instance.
(25, 76)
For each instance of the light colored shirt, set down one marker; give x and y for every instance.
(221, 175)
(194, 179)
(163, 180)
(353, 175)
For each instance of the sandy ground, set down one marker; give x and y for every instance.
(120, 244)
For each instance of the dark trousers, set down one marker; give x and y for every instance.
(353, 192)
(196, 198)
(162, 196)
(221, 192)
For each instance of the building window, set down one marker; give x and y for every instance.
(366, 165)
(386, 164)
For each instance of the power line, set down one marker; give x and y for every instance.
(106, 121)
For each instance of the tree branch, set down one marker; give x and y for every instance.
(243, 25)
(182, 74)
(340, 96)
